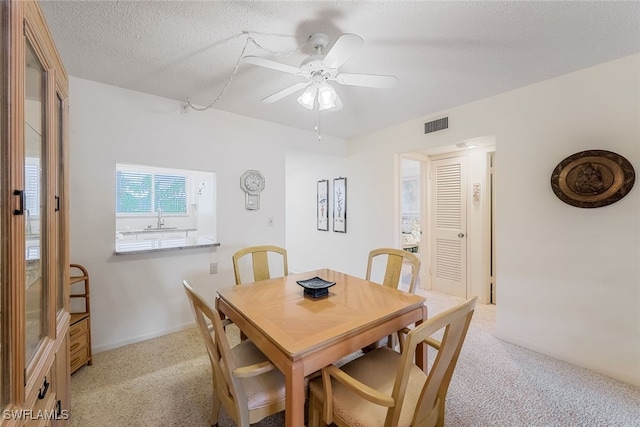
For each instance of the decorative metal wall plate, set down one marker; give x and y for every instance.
(592, 178)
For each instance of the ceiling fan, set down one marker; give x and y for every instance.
(321, 68)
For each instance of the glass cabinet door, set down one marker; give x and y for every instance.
(60, 196)
(36, 303)
(4, 383)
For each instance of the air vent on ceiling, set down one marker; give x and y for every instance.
(436, 125)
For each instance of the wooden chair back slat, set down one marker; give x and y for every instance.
(259, 261)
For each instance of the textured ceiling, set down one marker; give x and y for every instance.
(444, 53)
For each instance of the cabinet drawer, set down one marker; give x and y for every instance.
(78, 328)
(42, 402)
(79, 358)
(172, 236)
(78, 341)
(43, 413)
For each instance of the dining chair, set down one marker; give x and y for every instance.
(385, 388)
(395, 260)
(245, 383)
(260, 261)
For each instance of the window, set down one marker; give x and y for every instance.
(160, 208)
(170, 193)
(145, 192)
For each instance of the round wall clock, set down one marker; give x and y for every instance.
(593, 178)
(252, 183)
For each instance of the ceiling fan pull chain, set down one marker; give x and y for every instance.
(318, 121)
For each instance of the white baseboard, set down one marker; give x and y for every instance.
(144, 337)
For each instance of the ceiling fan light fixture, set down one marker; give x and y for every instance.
(308, 97)
(326, 97)
(327, 106)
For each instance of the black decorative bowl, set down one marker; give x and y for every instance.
(316, 287)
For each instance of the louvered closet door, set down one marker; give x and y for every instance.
(449, 225)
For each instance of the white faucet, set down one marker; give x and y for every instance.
(160, 219)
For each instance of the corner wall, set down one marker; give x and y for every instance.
(568, 278)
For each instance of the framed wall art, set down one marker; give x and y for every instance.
(340, 205)
(323, 205)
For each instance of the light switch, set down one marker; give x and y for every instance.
(476, 191)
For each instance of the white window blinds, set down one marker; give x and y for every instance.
(148, 192)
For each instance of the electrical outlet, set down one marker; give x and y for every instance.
(213, 268)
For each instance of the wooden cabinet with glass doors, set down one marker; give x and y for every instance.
(34, 308)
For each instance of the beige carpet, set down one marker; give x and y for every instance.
(166, 381)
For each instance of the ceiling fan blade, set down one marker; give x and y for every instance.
(342, 50)
(267, 63)
(285, 92)
(367, 80)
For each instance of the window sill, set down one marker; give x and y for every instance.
(149, 231)
(161, 245)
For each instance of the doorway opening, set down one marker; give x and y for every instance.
(410, 223)
(455, 219)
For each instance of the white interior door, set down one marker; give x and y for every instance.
(449, 226)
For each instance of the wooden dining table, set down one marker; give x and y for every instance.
(301, 335)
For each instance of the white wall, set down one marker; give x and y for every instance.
(568, 278)
(140, 296)
(308, 248)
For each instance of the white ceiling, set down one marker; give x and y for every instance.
(444, 53)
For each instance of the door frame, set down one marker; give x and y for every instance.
(479, 277)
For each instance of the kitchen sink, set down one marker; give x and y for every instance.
(160, 229)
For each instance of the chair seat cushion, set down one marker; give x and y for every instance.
(356, 411)
(262, 390)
